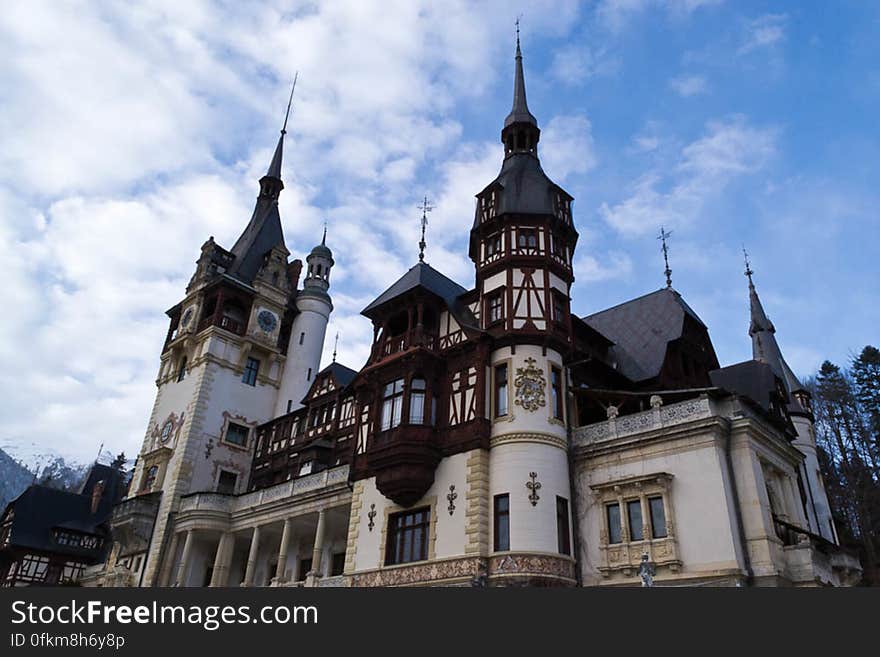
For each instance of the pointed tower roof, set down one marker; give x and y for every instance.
(519, 112)
(765, 348)
(263, 232)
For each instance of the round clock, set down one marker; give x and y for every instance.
(187, 316)
(266, 320)
(166, 431)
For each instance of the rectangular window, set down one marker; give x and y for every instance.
(392, 405)
(289, 405)
(495, 308)
(237, 434)
(634, 515)
(181, 372)
(493, 245)
(226, 482)
(417, 402)
(658, 517)
(527, 238)
(338, 564)
(556, 397)
(558, 308)
(302, 336)
(305, 565)
(557, 246)
(563, 535)
(305, 468)
(250, 372)
(502, 522)
(501, 390)
(408, 536)
(612, 512)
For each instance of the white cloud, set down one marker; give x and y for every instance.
(616, 14)
(689, 85)
(567, 147)
(763, 32)
(137, 131)
(590, 269)
(674, 194)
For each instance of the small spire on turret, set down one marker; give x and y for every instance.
(663, 236)
(425, 208)
(748, 272)
(335, 346)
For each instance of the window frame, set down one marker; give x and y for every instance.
(495, 302)
(247, 435)
(392, 401)
(220, 477)
(563, 526)
(497, 515)
(395, 549)
(498, 387)
(251, 371)
(557, 392)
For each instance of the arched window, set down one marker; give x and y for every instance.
(150, 477)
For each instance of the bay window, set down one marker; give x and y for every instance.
(392, 405)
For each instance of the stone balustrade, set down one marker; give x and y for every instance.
(285, 490)
(657, 417)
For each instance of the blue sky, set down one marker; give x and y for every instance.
(131, 133)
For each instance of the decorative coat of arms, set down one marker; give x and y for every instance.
(529, 384)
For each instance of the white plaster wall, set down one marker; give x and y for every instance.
(558, 283)
(518, 419)
(702, 512)
(495, 281)
(532, 528)
(450, 529)
(295, 381)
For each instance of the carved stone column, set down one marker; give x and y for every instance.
(282, 552)
(318, 549)
(184, 558)
(220, 573)
(252, 558)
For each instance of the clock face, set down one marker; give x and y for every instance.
(187, 316)
(266, 320)
(166, 431)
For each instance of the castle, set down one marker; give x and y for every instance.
(492, 437)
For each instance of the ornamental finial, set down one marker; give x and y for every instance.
(425, 208)
(663, 236)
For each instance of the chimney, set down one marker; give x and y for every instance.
(97, 494)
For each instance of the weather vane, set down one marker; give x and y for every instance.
(663, 236)
(748, 272)
(425, 208)
(335, 346)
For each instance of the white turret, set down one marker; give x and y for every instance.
(308, 330)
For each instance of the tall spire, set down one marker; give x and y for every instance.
(275, 166)
(519, 112)
(765, 348)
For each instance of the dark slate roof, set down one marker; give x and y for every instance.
(751, 378)
(262, 234)
(641, 328)
(421, 275)
(343, 375)
(765, 348)
(524, 187)
(519, 112)
(40, 509)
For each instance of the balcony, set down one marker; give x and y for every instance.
(132, 521)
(395, 344)
(288, 490)
(227, 323)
